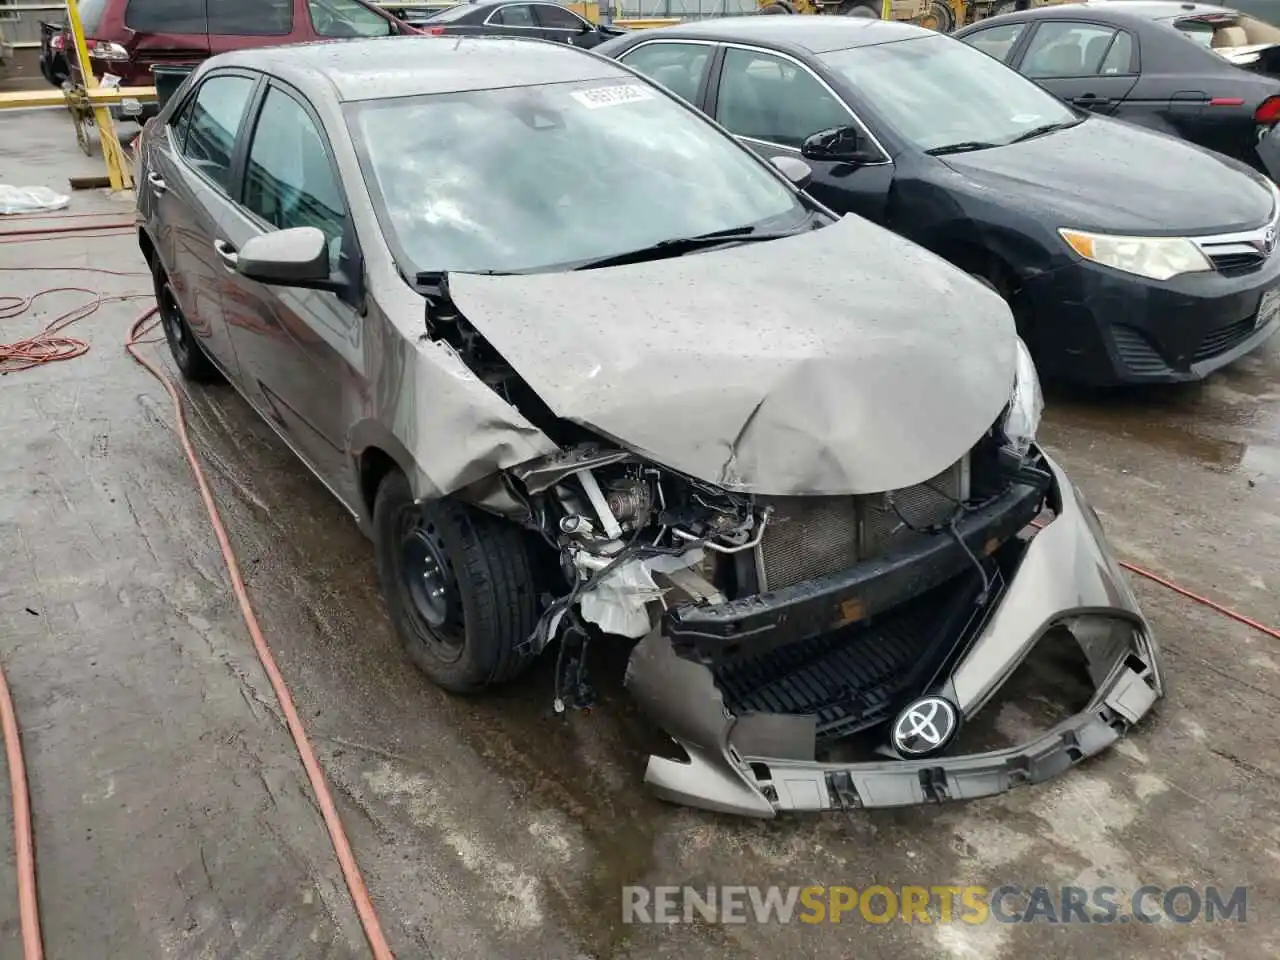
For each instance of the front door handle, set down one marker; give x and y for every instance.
(157, 182)
(1089, 100)
(226, 253)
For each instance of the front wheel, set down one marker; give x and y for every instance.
(458, 585)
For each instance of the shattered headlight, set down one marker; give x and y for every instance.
(1026, 403)
(1157, 258)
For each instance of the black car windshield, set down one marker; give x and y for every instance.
(937, 92)
(542, 177)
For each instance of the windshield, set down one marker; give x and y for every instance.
(1226, 31)
(533, 178)
(937, 92)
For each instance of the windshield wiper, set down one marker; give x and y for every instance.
(964, 146)
(681, 245)
(1041, 130)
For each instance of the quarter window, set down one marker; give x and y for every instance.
(215, 117)
(288, 179)
(768, 98)
(1061, 49)
(676, 66)
(998, 41)
(516, 15)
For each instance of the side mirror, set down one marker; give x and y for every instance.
(288, 258)
(843, 144)
(797, 171)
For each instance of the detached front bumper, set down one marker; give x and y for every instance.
(760, 764)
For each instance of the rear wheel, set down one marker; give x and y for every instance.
(192, 362)
(458, 585)
(853, 9)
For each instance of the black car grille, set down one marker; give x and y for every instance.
(809, 537)
(858, 677)
(1238, 263)
(1224, 338)
(1136, 353)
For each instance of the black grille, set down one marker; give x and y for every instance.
(1224, 338)
(1136, 353)
(857, 677)
(1236, 264)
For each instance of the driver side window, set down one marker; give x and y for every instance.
(769, 98)
(289, 180)
(346, 18)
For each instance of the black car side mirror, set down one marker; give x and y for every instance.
(842, 144)
(288, 258)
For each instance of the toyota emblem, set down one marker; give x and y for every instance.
(924, 727)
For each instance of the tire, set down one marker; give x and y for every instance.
(777, 8)
(944, 15)
(192, 362)
(458, 585)
(866, 10)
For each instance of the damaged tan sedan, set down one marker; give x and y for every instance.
(590, 373)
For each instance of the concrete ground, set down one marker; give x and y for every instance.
(173, 819)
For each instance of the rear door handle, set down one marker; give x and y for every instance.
(226, 253)
(157, 182)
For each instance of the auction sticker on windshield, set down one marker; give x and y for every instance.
(612, 96)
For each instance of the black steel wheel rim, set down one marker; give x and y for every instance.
(430, 587)
(175, 327)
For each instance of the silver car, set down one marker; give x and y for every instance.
(590, 373)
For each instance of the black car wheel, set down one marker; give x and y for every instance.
(193, 363)
(458, 586)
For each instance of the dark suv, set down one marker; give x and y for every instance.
(126, 38)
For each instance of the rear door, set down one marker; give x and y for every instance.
(564, 26)
(299, 350)
(238, 24)
(773, 103)
(189, 178)
(163, 32)
(1090, 65)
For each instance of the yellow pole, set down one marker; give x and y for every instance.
(886, 10)
(117, 164)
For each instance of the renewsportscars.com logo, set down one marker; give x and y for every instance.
(937, 904)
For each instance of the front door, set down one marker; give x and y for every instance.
(1089, 65)
(565, 26)
(773, 104)
(299, 350)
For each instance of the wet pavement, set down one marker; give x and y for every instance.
(173, 818)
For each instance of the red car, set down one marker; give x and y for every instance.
(126, 38)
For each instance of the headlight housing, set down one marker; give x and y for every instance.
(1157, 258)
(1026, 403)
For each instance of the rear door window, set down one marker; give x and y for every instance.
(166, 16)
(513, 15)
(250, 18)
(998, 41)
(1067, 49)
(677, 66)
(216, 114)
(346, 18)
(769, 98)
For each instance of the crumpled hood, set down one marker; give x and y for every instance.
(1115, 177)
(845, 360)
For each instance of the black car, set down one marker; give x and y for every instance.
(543, 21)
(1202, 73)
(1126, 256)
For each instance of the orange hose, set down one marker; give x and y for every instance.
(328, 810)
(23, 849)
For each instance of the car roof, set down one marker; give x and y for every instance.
(1124, 9)
(815, 34)
(383, 68)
